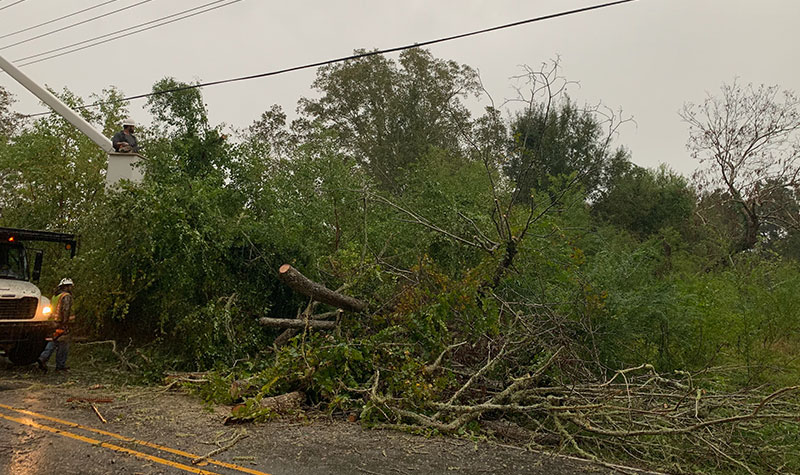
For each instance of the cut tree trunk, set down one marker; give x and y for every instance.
(284, 402)
(302, 284)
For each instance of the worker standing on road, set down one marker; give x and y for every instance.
(124, 141)
(62, 313)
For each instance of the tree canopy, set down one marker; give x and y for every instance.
(387, 115)
(514, 266)
(558, 140)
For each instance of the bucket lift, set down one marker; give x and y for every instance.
(121, 166)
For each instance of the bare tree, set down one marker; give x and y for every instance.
(748, 144)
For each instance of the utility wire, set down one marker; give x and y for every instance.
(355, 56)
(56, 19)
(11, 4)
(73, 25)
(128, 31)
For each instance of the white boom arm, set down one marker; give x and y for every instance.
(57, 105)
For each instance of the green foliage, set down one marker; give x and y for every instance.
(9, 121)
(388, 115)
(158, 257)
(547, 144)
(743, 314)
(111, 108)
(644, 316)
(183, 141)
(188, 256)
(750, 313)
(644, 201)
(386, 187)
(181, 112)
(51, 173)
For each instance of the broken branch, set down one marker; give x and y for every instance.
(214, 452)
(295, 323)
(302, 284)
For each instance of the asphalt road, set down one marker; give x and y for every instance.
(48, 425)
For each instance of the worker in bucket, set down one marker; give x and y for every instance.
(124, 141)
(62, 313)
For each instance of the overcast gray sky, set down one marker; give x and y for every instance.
(647, 57)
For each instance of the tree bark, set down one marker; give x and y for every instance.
(751, 225)
(302, 284)
(284, 402)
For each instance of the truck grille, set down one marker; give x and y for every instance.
(18, 309)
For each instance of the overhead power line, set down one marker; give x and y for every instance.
(57, 19)
(355, 56)
(11, 4)
(127, 31)
(73, 25)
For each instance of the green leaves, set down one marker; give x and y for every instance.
(555, 140)
(9, 120)
(51, 173)
(387, 116)
(183, 142)
(645, 201)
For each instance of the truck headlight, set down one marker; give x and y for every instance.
(46, 310)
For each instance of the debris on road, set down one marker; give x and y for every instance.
(236, 439)
(102, 419)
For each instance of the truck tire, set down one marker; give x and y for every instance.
(26, 352)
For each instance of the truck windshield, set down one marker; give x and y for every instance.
(13, 263)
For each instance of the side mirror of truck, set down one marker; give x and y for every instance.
(37, 266)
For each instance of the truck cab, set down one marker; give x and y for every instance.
(25, 322)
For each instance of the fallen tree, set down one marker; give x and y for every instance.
(647, 416)
(306, 319)
(318, 292)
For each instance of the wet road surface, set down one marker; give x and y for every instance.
(48, 426)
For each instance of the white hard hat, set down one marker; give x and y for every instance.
(128, 122)
(65, 281)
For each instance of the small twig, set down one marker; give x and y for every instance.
(489, 363)
(129, 366)
(102, 419)
(368, 471)
(627, 370)
(773, 396)
(214, 452)
(433, 366)
(726, 456)
(680, 430)
(374, 389)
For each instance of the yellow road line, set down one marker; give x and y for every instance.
(116, 448)
(136, 441)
